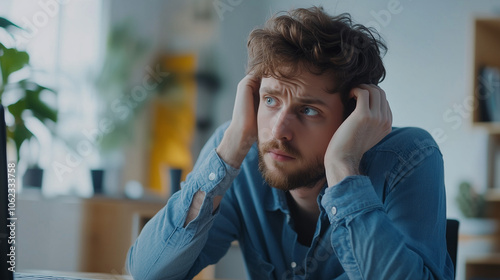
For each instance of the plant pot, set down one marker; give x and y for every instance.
(97, 180)
(478, 226)
(33, 177)
(175, 180)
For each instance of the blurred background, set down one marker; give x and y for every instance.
(109, 103)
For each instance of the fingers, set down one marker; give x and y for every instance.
(247, 94)
(249, 86)
(374, 94)
(362, 97)
(377, 101)
(252, 83)
(372, 99)
(389, 120)
(385, 109)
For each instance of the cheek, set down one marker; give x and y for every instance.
(263, 125)
(317, 139)
(316, 142)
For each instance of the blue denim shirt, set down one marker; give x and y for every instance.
(389, 223)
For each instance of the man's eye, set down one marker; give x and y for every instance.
(310, 111)
(270, 101)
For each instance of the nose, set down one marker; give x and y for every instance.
(282, 127)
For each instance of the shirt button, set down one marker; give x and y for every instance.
(293, 264)
(334, 210)
(211, 177)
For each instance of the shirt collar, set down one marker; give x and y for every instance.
(276, 199)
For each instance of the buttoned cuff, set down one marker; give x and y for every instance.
(214, 176)
(231, 174)
(352, 196)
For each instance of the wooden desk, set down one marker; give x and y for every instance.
(487, 267)
(100, 276)
(110, 226)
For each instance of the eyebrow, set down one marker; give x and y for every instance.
(306, 100)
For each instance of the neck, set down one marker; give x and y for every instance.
(306, 200)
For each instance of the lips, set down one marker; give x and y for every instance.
(279, 155)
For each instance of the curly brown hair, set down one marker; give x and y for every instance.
(311, 38)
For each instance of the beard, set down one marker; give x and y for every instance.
(307, 175)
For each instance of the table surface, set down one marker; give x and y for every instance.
(87, 275)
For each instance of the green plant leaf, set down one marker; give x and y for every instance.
(16, 109)
(18, 132)
(471, 203)
(31, 101)
(11, 60)
(5, 23)
(27, 84)
(39, 109)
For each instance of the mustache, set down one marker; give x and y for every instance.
(283, 146)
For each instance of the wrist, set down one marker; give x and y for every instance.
(337, 170)
(234, 147)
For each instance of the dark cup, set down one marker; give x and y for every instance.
(97, 180)
(175, 180)
(33, 177)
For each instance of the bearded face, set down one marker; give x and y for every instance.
(304, 172)
(296, 120)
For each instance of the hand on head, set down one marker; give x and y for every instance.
(242, 132)
(369, 123)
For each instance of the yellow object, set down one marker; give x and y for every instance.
(173, 122)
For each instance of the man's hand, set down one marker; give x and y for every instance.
(370, 121)
(242, 132)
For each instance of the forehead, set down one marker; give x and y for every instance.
(304, 84)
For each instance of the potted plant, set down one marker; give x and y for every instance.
(21, 97)
(473, 206)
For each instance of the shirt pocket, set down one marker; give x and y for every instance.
(258, 268)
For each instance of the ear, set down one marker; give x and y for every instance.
(351, 94)
(350, 105)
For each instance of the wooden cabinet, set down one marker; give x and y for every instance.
(483, 268)
(109, 228)
(487, 266)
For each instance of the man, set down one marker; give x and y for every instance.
(308, 176)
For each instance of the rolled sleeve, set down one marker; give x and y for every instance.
(214, 177)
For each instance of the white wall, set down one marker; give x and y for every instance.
(235, 26)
